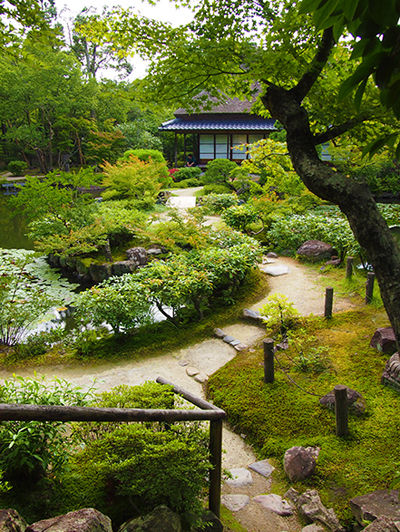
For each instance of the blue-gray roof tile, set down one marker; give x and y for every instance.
(247, 123)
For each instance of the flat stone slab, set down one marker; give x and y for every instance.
(191, 371)
(275, 271)
(240, 477)
(253, 314)
(234, 503)
(313, 528)
(219, 333)
(275, 504)
(381, 503)
(228, 339)
(235, 342)
(263, 467)
(241, 347)
(201, 377)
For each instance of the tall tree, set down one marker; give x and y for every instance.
(244, 47)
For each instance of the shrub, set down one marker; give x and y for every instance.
(17, 168)
(221, 172)
(280, 314)
(217, 203)
(239, 217)
(216, 189)
(187, 173)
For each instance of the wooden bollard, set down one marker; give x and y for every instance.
(269, 372)
(341, 411)
(328, 302)
(369, 287)
(349, 268)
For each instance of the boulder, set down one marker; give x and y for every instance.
(310, 507)
(272, 255)
(391, 373)
(100, 272)
(161, 519)
(384, 340)
(355, 401)
(315, 250)
(11, 521)
(123, 266)
(137, 255)
(313, 528)
(333, 262)
(81, 268)
(219, 333)
(84, 520)
(383, 524)
(71, 262)
(300, 462)
(54, 260)
(381, 503)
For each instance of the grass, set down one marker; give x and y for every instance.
(281, 415)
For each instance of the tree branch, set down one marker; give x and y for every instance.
(336, 131)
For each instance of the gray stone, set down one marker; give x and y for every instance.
(240, 477)
(381, 503)
(310, 507)
(11, 521)
(54, 260)
(300, 462)
(355, 401)
(315, 250)
(275, 504)
(228, 339)
(391, 373)
(219, 333)
(275, 271)
(313, 528)
(201, 378)
(263, 467)
(123, 266)
(183, 362)
(81, 268)
(253, 314)
(161, 519)
(138, 255)
(191, 371)
(234, 503)
(382, 524)
(333, 262)
(100, 272)
(84, 520)
(71, 262)
(272, 255)
(154, 251)
(384, 340)
(235, 342)
(241, 347)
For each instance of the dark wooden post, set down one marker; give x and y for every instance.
(349, 268)
(341, 411)
(369, 287)
(176, 150)
(328, 302)
(269, 375)
(214, 496)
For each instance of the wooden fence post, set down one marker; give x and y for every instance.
(341, 411)
(269, 372)
(328, 302)
(369, 287)
(349, 268)
(214, 496)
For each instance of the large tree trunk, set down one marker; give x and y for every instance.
(353, 197)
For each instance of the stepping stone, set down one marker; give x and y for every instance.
(234, 503)
(228, 339)
(263, 468)
(275, 271)
(235, 342)
(275, 504)
(240, 477)
(183, 362)
(313, 528)
(272, 255)
(219, 333)
(192, 371)
(201, 377)
(241, 347)
(253, 314)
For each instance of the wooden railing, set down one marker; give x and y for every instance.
(209, 412)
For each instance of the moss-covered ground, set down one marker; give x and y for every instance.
(286, 413)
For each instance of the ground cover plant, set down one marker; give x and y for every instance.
(278, 416)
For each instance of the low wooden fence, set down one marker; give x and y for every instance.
(208, 412)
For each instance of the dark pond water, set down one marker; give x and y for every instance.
(13, 227)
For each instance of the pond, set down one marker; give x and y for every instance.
(13, 227)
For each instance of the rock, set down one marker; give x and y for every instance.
(210, 523)
(219, 333)
(384, 340)
(71, 262)
(312, 510)
(81, 268)
(137, 255)
(282, 345)
(313, 528)
(382, 503)
(161, 519)
(240, 477)
(382, 524)
(241, 347)
(183, 362)
(275, 504)
(154, 250)
(11, 521)
(84, 520)
(253, 314)
(234, 503)
(391, 373)
(275, 271)
(201, 378)
(272, 255)
(333, 262)
(123, 266)
(263, 467)
(315, 250)
(228, 339)
(300, 462)
(100, 272)
(54, 260)
(191, 371)
(234, 342)
(355, 401)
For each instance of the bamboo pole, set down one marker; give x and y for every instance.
(269, 372)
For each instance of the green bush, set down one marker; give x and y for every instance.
(216, 189)
(187, 173)
(239, 217)
(221, 172)
(17, 168)
(144, 155)
(217, 203)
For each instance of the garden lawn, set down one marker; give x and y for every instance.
(280, 415)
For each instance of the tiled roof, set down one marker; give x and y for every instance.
(234, 123)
